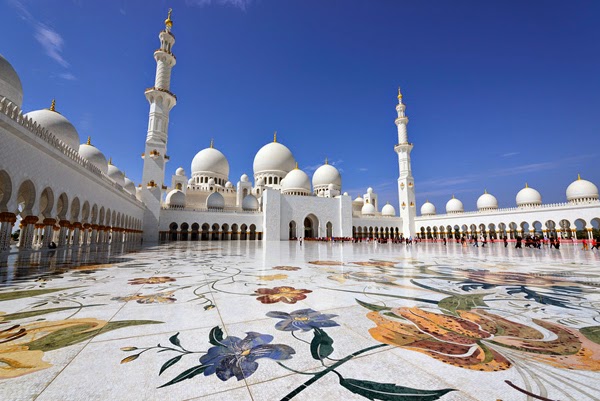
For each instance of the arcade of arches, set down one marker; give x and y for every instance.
(562, 229)
(46, 216)
(210, 232)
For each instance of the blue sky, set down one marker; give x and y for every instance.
(498, 93)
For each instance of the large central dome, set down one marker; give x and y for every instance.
(274, 157)
(210, 160)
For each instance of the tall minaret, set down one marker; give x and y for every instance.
(161, 102)
(406, 183)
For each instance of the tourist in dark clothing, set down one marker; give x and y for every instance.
(519, 242)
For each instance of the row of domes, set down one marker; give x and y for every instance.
(273, 158)
(578, 191)
(59, 126)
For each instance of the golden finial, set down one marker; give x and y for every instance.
(296, 165)
(526, 185)
(212, 143)
(89, 141)
(110, 161)
(453, 196)
(485, 191)
(578, 177)
(53, 105)
(168, 22)
(326, 161)
(275, 137)
(399, 94)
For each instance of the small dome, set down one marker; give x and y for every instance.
(175, 198)
(250, 203)
(582, 190)
(454, 206)
(58, 125)
(129, 186)
(116, 175)
(228, 184)
(274, 157)
(528, 197)
(428, 209)
(487, 202)
(326, 175)
(244, 178)
(94, 156)
(211, 181)
(10, 83)
(215, 201)
(358, 201)
(368, 209)
(296, 181)
(345, 193)
(369, 190)
(191, 181)
(210, 161)
(260, 182)
(180, 171)
(388, 210)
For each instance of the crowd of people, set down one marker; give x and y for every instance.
(530, 241)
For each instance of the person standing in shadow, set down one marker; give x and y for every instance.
(519, 242)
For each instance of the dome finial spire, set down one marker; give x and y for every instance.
(578, 177)
(296, 165)
(399, 95)
(275, 136)
(326, 160)
(485, 191)
(526, 185)
(168, 21)
(89, 140)
(110, 161)
(212, 143)
(53, 105)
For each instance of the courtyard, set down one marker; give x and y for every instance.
(269, 321)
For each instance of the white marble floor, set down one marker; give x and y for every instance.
(277, 321)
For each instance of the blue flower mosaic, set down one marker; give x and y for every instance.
(302, 319)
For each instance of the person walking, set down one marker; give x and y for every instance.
(519, 243)
(505, 241)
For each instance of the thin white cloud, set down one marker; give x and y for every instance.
(509, 154)
(68, 76)
(241, 4)
(363, 169)
(50, 40)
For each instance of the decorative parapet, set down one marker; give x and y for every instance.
(154, 88)
(13, 112)
(211, 210)
(511, 209)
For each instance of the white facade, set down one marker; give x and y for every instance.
(60, 190)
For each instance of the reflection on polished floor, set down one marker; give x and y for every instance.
(280, 321)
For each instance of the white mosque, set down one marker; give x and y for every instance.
(58, 189)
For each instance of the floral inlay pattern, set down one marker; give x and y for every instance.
(302, 319)
(287, 295)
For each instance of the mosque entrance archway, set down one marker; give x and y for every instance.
(195, 229)
(204, 235)
(311, 226)
(292, 232)
(173, 231)
(329, 229)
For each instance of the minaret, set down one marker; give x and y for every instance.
(406, 184)
(155, 156)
